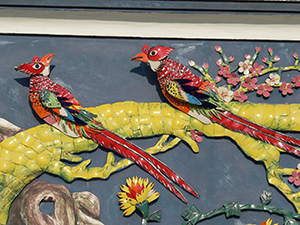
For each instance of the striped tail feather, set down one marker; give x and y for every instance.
(242, 125)
(152, 165)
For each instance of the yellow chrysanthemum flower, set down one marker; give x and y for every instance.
(136, 192)
(269, 222)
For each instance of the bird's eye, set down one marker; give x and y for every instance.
(153, 53)
(36, 66)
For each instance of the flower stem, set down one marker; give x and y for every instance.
(144, 221)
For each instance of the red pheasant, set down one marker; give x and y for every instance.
(192, 95)
(58, 107)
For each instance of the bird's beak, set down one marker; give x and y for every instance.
(17, 68)
(47, 59)
(140, 57)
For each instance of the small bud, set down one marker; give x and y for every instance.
(247, 57)
(295, 55)
(276, 58)
(218, 79)
(218, 48)
(231, 58)
(192, 63)
(264, 59)
(257, 49)
(205, 66)
(270, 50)
(219, 62)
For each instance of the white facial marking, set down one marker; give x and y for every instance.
(154, 65)
(46, 71)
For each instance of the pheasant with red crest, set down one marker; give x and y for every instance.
(192, 95)
(58, 107)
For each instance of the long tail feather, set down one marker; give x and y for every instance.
(243, 125)
(154, 166)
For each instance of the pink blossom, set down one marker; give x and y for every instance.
(232, 79)
(250, 83)
(219, 62)
(247, 56)
(295, 178)
(196, 135)
(257, 49)
(296, 80)
(212, 86)
(205, 66)
(264, 59)
(218, 79)
(286, 88)
(244, 67)
(240, 96)
(231, 58)
(256, 69)
(264, 90)
(224, 71)
(218, 48)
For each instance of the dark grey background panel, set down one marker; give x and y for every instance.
(99, 71)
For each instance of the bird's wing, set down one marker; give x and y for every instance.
(197, 89)
(51, 102)
(65, 108)
(184, 90)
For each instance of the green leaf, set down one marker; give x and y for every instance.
(266, 197)
(156, 216)
(232, 209)
(289, 221)
(191, 214)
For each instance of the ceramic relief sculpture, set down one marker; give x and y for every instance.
(58, 107)
(29, 153)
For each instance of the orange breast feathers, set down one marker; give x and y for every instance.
(37, 105)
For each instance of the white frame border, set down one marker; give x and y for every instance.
(151, 25)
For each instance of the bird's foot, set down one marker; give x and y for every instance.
(162, 145)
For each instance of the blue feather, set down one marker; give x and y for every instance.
(69, 115)
(193, 100)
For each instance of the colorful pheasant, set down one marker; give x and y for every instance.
(58, 107)
(192, 95)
